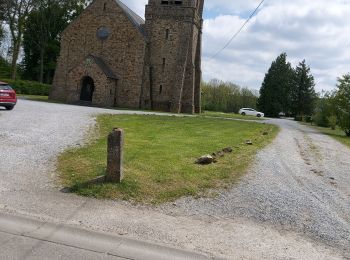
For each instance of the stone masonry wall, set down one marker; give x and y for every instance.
(173, 33)
(123, 52)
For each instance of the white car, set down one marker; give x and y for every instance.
(250, 112)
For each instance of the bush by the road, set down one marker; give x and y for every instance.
(28, 87)
(332, 120)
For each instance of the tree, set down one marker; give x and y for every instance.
(15, 13)
(41, 41)
(303, 93)
(2, 12)
(325, 109)
(275, 91)
(342, 98)
(226, 96)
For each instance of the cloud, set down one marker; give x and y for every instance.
(312, 30)
(306, 29)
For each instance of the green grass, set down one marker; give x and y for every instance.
(34, 97)
(159, 157)
(337, 134)
(229, 115)
(38, 98)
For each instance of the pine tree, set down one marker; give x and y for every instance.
(275, 92)
(303, 92)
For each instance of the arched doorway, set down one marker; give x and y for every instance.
(87, 89)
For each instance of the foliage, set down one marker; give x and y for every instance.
(342, 99)
(29, 87)
(226, 96)
(324, 109)
(2, 18)
(5, 68)
(276, 88)
(159, 156)
(15, 13)
(303, 93)
(42, 36)
(332, 120)
(2, 33)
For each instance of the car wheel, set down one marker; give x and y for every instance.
(243, 114)
(258, 115)
(9, 107)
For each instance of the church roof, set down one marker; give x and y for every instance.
(133, 17)
(104, 67)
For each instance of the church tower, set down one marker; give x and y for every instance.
(172, 74)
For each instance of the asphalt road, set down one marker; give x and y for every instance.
(24, 248)
(293, 203)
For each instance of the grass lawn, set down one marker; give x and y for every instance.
(34, 97)
(337, 134)
(229, 115)
(159, 157)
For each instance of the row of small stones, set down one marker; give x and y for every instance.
(212, 158)
(209, 159)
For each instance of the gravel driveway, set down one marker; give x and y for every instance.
(293, 204)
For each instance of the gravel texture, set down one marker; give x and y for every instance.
(300, 183)
(293, 204)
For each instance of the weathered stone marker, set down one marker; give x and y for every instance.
(115, 156)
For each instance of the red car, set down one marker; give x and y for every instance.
(8, 98)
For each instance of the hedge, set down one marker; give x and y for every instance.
(28, 87)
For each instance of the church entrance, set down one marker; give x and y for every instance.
(87, 89)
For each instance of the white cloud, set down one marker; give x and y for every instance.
(306, 29)
(313, 30)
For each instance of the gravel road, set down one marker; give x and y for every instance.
(293, 204)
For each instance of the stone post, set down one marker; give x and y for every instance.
(115, 156)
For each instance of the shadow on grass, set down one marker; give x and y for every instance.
(83, 185)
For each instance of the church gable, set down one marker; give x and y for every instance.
(134, 18)
(111, 9)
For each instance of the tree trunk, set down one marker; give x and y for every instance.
(41, 79)
(15, 54)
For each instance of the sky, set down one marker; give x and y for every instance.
(317, 31)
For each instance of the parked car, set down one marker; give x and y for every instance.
(8, 98)
(250, 112)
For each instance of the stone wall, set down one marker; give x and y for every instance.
(123, 51)
(174, 33)
(155, 65)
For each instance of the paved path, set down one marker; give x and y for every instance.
(25, 238)
(248, 226)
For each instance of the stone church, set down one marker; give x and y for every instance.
(111, 57)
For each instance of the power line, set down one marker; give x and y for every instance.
(238, 32)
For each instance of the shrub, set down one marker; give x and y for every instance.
(308, 119)
(320, 119)
(298, 118)
(29, 87)
(344, 123)
(332, 121)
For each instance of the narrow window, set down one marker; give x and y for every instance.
(165, 2)
(163, 65)
(104, 6)
(160, 89)
(167, 34)
(178, 2)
